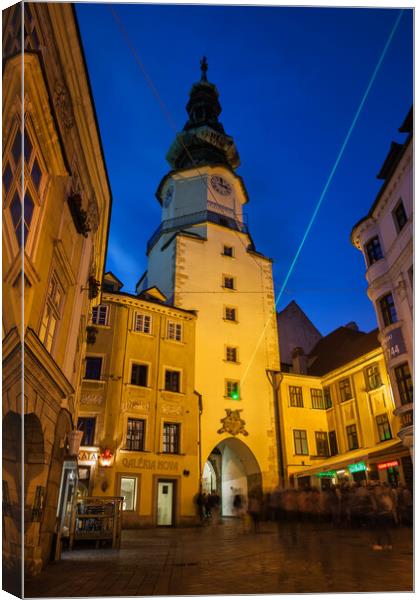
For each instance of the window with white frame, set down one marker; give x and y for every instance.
(174, 331)
(100, 315)
(142, 323)
(52, 312)
(135, 434)
(171, 438)
(300, 441)
(317, 398)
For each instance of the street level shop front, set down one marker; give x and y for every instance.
(391, 464)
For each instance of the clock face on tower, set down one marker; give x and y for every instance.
(220, 185)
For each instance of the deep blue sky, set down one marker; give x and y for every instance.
(290, 82)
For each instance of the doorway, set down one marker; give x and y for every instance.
(165, 503)
(231, 469)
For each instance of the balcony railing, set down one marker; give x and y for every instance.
(194, 219)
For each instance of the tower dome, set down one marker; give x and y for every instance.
(203, 139)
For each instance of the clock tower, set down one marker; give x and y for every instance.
(202, 257)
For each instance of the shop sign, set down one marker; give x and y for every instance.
(149, 464)
(88, 455)
(327, 474)
(394, 343)
(387, 465)
(355, 468)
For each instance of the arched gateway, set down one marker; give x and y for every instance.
(230, 469)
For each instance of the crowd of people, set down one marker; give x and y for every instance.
(374, 505)
(356, 504)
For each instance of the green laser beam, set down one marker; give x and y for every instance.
(340, 154)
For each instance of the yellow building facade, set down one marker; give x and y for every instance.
(55, 229)
(339, 424)
(139, 408)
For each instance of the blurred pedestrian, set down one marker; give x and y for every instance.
(200, 501)
(254, 509)
(383, 518)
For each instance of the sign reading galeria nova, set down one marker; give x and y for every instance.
(150, 464)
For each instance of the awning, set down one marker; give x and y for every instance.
(388, 449)
(342, 461)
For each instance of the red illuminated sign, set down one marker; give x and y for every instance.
(391, 463)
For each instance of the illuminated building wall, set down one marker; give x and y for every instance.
(385, 237)
(203, 256)
(138, 405)
(66, 199)
(338, 411)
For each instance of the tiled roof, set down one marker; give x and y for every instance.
(339, 348)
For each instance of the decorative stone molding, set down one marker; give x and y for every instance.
(140, 405)
(93, 214)
(92, 399)
(172, 409)
(79, 215)
(63, 104)
(232, 423)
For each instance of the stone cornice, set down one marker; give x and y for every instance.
(127, 300)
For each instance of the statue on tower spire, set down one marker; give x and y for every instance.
(204, 66)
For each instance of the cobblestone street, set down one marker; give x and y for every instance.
(224, 560)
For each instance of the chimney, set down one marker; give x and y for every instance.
(300, 361)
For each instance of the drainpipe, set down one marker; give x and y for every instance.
(200, 410)
(271, 376)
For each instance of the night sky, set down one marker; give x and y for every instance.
(290, 82)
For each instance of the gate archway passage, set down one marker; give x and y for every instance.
(230, 469)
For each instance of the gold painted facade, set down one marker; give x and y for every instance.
(134, 402)
(49, 269)
(368, 412)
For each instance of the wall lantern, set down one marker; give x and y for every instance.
(105, 458)
(74, 439)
